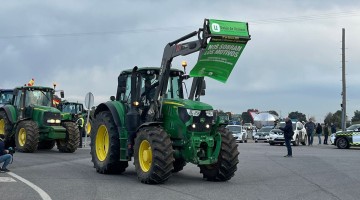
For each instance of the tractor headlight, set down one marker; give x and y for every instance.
(53, 121)
(209, 113)
(194, 113)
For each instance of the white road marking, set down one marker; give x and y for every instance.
(41, 192)
(6, 179)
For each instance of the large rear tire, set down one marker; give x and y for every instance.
(6, 129)
(105, 145)
(153, 157)
(72, 140)
(27, 136)
(226, 166)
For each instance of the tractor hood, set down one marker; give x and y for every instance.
(188, 104)
(46, 109)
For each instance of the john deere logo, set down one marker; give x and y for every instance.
(215, 27)
(202, 120)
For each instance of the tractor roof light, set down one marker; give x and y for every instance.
(184, 64)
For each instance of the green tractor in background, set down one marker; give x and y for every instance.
(77, 114)
(31, 122)
(151, 120)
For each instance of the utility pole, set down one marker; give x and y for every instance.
(343, 105)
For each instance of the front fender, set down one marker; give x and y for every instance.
(116, 109)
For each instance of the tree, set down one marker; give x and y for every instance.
(356, 118)
(297, 115)
(273, 112)
(328, 118)
(245, 116)
(336, 118)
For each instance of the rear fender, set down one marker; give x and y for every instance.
(10, 112)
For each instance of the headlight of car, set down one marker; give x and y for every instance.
(194, 113)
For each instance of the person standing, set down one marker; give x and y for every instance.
(5, 157)
(288, 133)
(310, 127)
(333, 128)
(326, 133)
(319, 131)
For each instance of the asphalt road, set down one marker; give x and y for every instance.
(317, 172)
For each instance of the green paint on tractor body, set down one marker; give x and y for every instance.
(194, 137)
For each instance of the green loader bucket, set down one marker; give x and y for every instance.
(228, 40)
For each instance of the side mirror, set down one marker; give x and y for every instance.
(112, 98)
(62, 94)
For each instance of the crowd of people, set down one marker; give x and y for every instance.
(311, 127)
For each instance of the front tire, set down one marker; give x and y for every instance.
(153, 157)
(27, 136)
(105, 145)
(297, 141)
(6, 129)
(342, 143)
(304, 141)
(227, 162)
(72, 140)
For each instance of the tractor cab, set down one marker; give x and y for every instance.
(26, 99)
(147, 83)
(73, 108)
(6, 96)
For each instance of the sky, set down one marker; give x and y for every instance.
(292, 62)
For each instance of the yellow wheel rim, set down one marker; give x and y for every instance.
(22, 137)
(88, 128)
(2, 127)
(102, 143)
(145, 155)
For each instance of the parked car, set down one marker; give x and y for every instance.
(300, 135)
(263, 134)
(238, 132)
(348, 138)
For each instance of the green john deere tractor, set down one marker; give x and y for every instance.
(151, 120)
(77, 115)
(31, 122)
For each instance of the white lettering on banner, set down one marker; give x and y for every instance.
(224, 49)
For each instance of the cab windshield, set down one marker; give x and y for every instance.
(71, 108)
(38, 98)
(5, 97)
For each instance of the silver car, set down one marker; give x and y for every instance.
(238, 132)
(263, 134)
